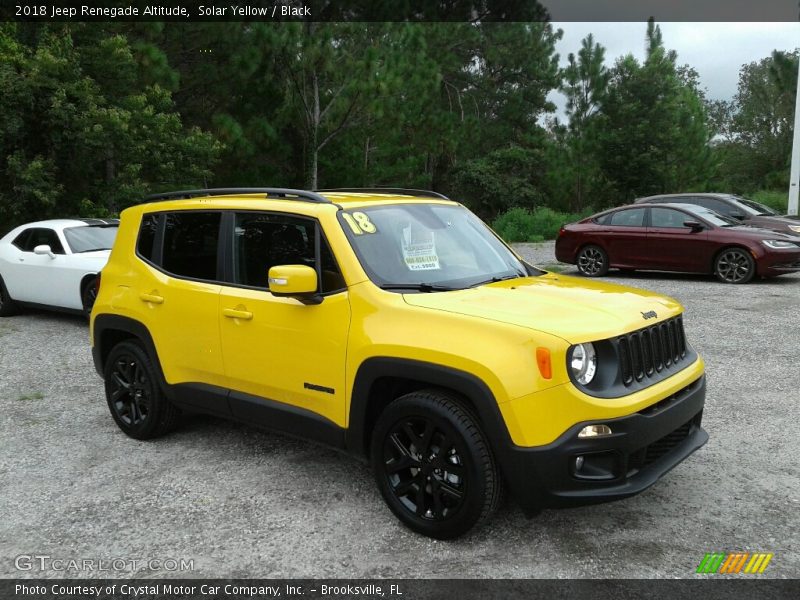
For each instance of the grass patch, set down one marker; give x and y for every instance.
(524, 225)
(777, 201)
(32, 396)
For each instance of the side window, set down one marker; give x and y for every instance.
(190, 244)
(667, 217)
(21, 241)
(632, 217)
(604, 219)
(147, 237)
(38, 236)
(262, 241)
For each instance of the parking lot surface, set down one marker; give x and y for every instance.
(240, 502)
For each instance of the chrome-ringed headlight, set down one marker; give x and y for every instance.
(582, 362)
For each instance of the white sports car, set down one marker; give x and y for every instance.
(54, 263)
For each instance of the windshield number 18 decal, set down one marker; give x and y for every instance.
(359, 223)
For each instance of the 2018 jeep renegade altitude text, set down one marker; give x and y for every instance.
(395, 325)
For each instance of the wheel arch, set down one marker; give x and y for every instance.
(738, 246)
(86, 280)
(110, 330)
(381, 380)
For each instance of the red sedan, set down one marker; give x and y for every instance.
(676, 237)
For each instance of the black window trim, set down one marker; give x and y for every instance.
(27, 233)
(225, 254)
(158, 243)
(228, 255)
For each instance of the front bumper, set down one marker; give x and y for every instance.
(642, 448)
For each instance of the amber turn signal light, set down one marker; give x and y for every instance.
(543, 362)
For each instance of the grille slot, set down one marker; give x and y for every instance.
(649, 351)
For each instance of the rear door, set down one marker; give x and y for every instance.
(177, 297)
(674, 247)
(625, 238)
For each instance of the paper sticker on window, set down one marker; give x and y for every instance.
(419, 250)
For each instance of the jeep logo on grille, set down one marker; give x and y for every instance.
(650, 314)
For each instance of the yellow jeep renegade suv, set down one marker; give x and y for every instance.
(395, 325)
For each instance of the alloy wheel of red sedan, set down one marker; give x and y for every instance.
(592, 261)
(734, 266)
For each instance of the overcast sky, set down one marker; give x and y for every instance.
(716, 50)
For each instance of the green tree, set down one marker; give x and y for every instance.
(655, 137)
(585, 82)
(80, 137)
(762, 122)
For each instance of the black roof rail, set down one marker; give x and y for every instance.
(302, 195)
(382, 190)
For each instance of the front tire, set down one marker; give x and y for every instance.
(134, 396)
(592, 261)
(433, 465)
(734, 265)
(7, 306)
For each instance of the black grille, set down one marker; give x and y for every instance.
(650, 350)
(649, 454)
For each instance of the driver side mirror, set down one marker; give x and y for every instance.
(738, 215)
(694, 225)
(299, 281)
(44, 249)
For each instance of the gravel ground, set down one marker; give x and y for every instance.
(246, 503)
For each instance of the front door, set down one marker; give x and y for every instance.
(279, 349)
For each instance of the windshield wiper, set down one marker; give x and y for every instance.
(419, 287)
(91, 250)
(497, 278)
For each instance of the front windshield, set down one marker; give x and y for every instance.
(434, 245)
(759, 208)
(91, 237)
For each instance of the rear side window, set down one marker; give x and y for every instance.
(145, 245)
(668, 218)
(191, 240)
(633, 217)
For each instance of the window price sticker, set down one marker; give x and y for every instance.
(419, 250)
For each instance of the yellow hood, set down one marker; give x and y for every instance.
(571, 308)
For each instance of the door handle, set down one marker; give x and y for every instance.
(233, 313)
(151, 298)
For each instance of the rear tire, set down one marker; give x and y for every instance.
(7, 306)
(135, 398)
(592, 261)
(433, 465)
(88, 296)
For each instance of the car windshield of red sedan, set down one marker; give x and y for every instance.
(91, 238)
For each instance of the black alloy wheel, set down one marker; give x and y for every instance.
(134, 395)
(433, 466)
(734, 265)
(592, 261)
